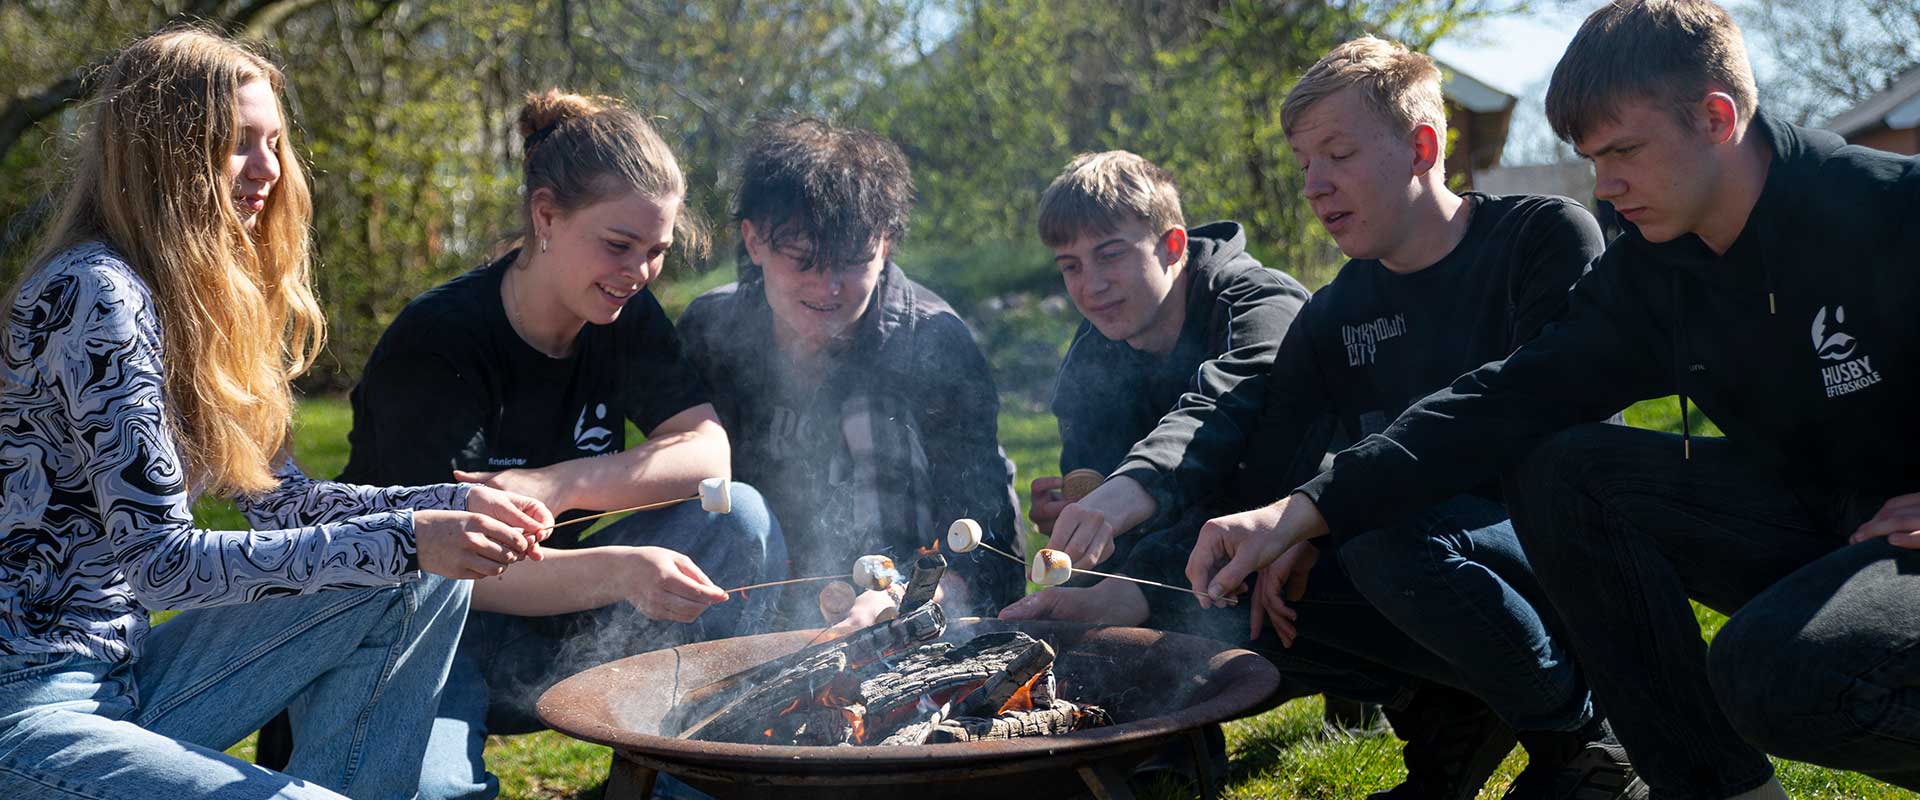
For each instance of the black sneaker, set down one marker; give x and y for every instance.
(1583, 765)
(1454, 743)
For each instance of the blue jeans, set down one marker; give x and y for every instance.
(1818, 662)
(1455, 581)
(505, 662)
(1443, 598)
(353, 666)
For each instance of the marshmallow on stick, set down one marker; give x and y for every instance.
(1050, 568)
(963, 535)
(716, 495)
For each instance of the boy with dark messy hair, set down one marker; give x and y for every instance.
(855, 399)
(1763, 272)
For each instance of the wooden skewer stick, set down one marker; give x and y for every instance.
(1229, 600)
(1011, 557)
(783, 583)
(648, 507)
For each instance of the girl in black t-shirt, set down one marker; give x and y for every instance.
(523, 374)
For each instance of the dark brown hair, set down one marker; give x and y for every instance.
(843, 190)
(587, 149)
(1667, 52)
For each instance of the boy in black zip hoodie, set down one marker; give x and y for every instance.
(1764, 272)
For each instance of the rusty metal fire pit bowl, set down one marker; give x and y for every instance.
(1161, 688)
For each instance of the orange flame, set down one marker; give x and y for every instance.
(1022, 700)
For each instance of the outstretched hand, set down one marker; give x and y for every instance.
(665, 584)
(1233, 547)
(1109, 602)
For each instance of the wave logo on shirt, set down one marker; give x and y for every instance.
(597, 438)
(1850, 374)
(1838, 346)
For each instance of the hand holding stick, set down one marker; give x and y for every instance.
(716, 496)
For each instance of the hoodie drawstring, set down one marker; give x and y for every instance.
(1680, 367)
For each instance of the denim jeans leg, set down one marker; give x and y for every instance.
(1621, 531)
(359, 671)
(1455, 580)
(1823, 667)
(66, 732)
(1345, 647)
(453, 766)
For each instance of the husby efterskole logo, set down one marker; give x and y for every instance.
(1832, 344)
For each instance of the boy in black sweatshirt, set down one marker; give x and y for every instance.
(1765, 272)
(1167, 372)
(1437, 284)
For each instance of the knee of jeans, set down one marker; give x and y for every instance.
(750, 519)
(1769, 682)
(1383, 564)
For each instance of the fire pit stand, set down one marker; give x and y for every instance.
(1161, 688)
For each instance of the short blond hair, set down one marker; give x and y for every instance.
(1099, 191)
(1400, 85)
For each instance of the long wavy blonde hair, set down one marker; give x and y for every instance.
(236, 307)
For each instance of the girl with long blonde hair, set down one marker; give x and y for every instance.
(147, 355)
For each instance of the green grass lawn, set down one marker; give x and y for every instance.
(1279, 754)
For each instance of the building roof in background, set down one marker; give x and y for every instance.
(1896, 107)
(1472, 94)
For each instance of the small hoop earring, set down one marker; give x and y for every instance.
(543, 244)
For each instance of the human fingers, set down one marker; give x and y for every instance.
(1232, 578)
(662, 604)
(514, 540)
(1296, 578)
(1033, 606)
(1909, 540)
(1208, 552)
(1887, 523)
(699, 577)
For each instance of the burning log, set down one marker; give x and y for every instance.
(1020, 672)
(939, 672)
(1061, 717)
(927, 572)
(767, 689)
(1057, 718)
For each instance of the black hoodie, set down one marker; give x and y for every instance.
(1179, 424)
(1802, 342)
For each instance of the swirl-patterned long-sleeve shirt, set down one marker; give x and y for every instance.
(96, 524)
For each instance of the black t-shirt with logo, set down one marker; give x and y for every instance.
(1373, 341)
(452, 386)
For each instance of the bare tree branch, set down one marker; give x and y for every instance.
(252, 18)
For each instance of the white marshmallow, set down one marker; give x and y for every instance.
(874, 573)
(963, 535)
(1050, 568)
(716, 495)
